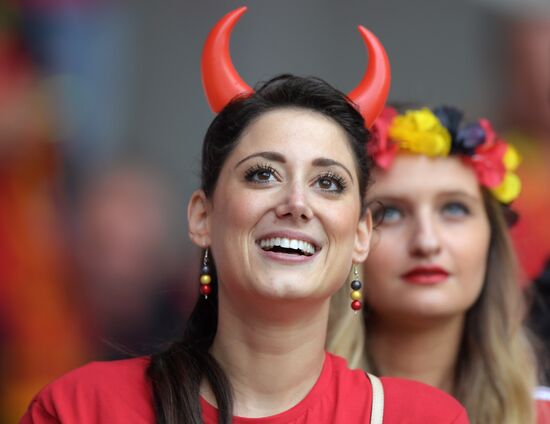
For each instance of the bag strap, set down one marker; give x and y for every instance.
(377, 411)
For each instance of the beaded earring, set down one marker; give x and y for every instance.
(355, 294)
(205, 278)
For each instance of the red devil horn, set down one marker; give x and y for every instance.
(220, 80)
(371, 93)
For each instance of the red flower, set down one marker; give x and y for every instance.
(381, 148)
(488, 159)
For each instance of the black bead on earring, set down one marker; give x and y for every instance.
(205, 278)
(355, 294)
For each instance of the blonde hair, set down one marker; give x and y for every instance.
(495, 374)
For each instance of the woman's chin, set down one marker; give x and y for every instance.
(290, 291)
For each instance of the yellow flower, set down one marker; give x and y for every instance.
(420, 131)
(511, 158)
(509, 189)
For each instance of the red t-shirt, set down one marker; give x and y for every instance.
(118, 393)
(542, 396)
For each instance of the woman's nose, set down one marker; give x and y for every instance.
(425, 240)
(294, 204)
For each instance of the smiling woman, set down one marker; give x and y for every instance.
(284, 223)
(292, 180)
(281, 222)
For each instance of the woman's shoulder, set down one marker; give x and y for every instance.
(127, 375)
(94, 391)
(542, 398)
(404, 400)
(414, 401)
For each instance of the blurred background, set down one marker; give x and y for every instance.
(101, 120)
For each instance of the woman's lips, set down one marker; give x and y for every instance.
(286, 258)
(426, 275)
(288, 246)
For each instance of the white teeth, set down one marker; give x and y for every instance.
(287, 243)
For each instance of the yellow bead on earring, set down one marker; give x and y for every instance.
(205, 279)
(356, 295)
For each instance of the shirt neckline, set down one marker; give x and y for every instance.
(210, 412)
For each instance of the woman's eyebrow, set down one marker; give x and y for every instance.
(460, 193)
(274, 156)
(331, 162)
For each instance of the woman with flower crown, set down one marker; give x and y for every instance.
(281, 221)
(442, 300)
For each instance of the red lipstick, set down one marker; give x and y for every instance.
(425, 275)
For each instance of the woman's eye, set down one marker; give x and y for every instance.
(331, 183)
(264, 175)
(455, 209)
(386, 215)
(391, 214)
(260, 174)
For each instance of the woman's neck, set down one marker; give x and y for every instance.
(426, 353)
(272, 355)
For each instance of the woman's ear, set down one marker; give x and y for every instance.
(198, 214)
(362, 238)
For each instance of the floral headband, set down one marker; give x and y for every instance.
(439, 133)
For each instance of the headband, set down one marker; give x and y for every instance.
(222, 83)
(440, 133)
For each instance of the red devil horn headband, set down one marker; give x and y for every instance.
(222, 82)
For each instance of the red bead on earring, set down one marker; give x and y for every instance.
(206, 290)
